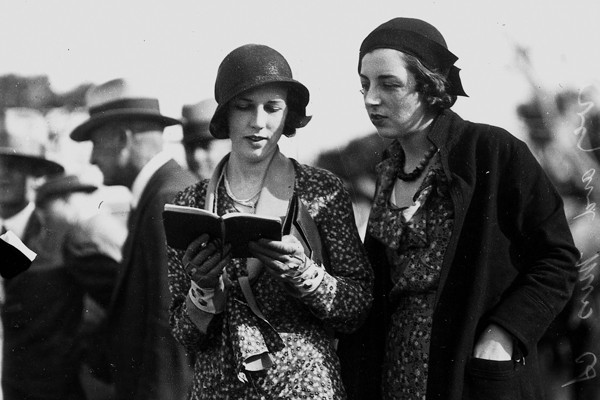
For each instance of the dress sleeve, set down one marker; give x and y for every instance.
(344, 297)
(531, 215)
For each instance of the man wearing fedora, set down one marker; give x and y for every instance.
(126, 129)
(202, 150)
(38, 348)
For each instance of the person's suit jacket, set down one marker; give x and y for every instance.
(148, 362)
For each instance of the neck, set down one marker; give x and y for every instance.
(246, 178)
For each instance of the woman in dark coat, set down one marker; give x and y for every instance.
(471, 250)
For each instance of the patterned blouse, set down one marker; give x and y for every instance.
(416, 238)
(299, 332)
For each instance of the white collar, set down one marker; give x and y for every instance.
(143, 177)
(18, 222)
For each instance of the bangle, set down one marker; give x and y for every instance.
(209, 300)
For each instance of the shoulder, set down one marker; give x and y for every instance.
(315, 179)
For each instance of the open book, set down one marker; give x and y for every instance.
(184, 224)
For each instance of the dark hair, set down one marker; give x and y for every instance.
(431, 83)
(294, 115)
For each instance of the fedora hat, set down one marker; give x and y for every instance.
(24, 137)
(195, 119)
(116, 100)
(61, 185)
(248, 67)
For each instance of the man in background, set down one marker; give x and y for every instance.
(202, 150)
(39, 334)
(126, 130)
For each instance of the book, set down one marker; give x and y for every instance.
(184, 224)
(16, 256)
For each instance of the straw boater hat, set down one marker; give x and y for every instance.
(195, 119)
(24, 137)
(117, 100)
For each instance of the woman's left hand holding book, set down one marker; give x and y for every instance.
(204, 261)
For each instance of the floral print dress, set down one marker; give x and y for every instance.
(416, 240)
(296, 332)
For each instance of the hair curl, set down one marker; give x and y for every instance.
(431, 83)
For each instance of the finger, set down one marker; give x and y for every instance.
(197, 244)
(209, 272)
(273, 249)
(208, 258)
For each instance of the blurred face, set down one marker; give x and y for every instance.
(13, 183)
(111, 155)
(256, 119)
(388, 87)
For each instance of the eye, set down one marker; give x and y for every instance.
(272, 108)
(241, 106)
(364, 86)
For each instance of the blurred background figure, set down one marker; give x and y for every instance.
(125, 127)
(355, 165)
(202, 150)
(563, 131)
(39, 313)
(89, 242)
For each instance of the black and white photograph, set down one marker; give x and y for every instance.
(419, 183)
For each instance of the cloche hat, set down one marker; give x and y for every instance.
(118, 99)
(419, 39)
(24, 136)
(248, 67)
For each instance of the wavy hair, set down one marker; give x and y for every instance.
(432, 84)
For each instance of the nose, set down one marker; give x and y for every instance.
(259, 118)
(371, 96)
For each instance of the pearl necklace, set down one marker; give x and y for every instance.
(411, 176)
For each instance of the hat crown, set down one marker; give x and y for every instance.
(24, 131)
(199, 113)
(248, 66)
(114, 90)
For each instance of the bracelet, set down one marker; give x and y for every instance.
(209, 300)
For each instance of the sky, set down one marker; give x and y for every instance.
(173, 49)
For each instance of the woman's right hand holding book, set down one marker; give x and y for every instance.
(204, 261)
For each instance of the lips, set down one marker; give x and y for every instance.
(255, 138)
(376, 119)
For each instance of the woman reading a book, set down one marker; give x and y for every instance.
(263, 326)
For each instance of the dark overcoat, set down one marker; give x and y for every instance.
(510, 261)
(149, 363)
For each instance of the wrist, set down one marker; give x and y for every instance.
(210, 300)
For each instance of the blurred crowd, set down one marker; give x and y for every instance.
(56, 202)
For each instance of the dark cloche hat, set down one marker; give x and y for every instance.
(118, 99)
(251, 66)
(61, 185)
(24, 136)
(419, 39)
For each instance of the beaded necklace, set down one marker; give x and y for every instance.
(411, 176)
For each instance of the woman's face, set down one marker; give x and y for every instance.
(388, 87)
(256, 119)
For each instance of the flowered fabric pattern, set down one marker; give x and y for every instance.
(300, 340)
(416, 243)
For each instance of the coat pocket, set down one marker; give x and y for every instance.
(491, 380)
